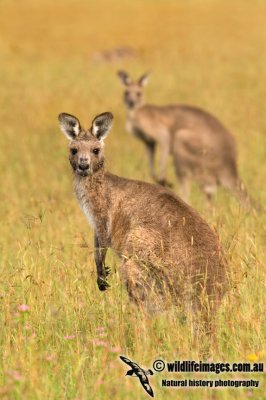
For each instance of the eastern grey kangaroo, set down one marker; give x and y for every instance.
(168, 252)
(201, 147)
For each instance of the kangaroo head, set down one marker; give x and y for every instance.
(86, 146)
(133, 94)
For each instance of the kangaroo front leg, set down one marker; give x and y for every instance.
(102, 270)
(150, 149)
(164, 147)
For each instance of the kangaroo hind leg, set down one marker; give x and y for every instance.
(140, 287)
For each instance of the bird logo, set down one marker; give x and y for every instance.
(138, 372)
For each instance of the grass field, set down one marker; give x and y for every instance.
(60, 337)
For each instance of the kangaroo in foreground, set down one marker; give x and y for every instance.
(165, 246)
(201, 147)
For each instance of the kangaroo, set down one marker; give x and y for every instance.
(201, 147)
(165, 246)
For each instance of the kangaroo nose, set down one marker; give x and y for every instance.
(130, 103)
(83, 164)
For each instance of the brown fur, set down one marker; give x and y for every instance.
(201, 147)
(169, 253)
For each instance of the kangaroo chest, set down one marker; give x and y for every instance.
(95, 209)
(88, 214)
(86, 207)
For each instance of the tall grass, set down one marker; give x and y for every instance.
(65, 345)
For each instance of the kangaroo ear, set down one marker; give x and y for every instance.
(101, 125)
(124, 77)
(69, 125)
(143, 80)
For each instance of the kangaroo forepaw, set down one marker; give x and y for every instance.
(107, 271)
(102, 283)
(164, 182)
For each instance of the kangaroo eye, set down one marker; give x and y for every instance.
(96, 151)
(73, 151)
(139, 94)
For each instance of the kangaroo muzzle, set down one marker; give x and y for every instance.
(83, 166)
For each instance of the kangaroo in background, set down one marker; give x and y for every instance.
(201, 147)
(165, 246)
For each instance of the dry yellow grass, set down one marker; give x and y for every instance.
(209, 53)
